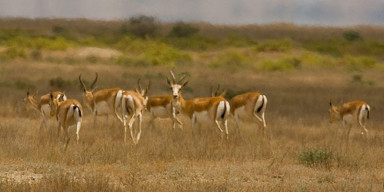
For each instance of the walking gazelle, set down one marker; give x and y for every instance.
(249, 106)
(133, 103)
(207, 110)
(353, 112)
(68, 113)
(102, 102)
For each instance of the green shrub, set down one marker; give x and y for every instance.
(143, 26)
(358, 63)
(55, 43)
(276, 45)
(351, 35)
(315, 158)
(198, 43)
(281, 65)
(231, 59)
(183, 30)
(59, 82)
(13, 52)
(152, 51)
(332, 47)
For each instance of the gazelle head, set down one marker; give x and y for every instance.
(87, 94)
(29, 98)
(55, 102)
(334, 112)
(176, 85)
(143, 92)
(218, 92)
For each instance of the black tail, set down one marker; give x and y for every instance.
(262, 104)
(367, 108)
(74, 108)
(225, 110)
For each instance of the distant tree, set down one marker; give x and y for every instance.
(143, 26)
(351, 35)
(183, 30)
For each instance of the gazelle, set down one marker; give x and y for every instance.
(43, 105)
(133, 103)
(249, 106)
(207, 110)
(68, 113)
(160, 106)
(102, 102)
(354, 112)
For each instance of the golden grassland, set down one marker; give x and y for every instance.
(194, 160)
(301, 150)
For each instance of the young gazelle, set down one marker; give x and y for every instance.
(43, 105)
(102, 102)
(354, 112)
(207, 110)
(249, 106)
(68, 113)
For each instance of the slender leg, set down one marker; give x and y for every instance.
(218, 126)
(67, 138)
(58, 129)
(130, 125)
(140, 118)
(78, 126)
(238, 124)
(226, 127)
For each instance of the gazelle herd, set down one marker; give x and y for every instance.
(129, 105)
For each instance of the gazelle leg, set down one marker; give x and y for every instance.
(78, 126)
(130, 125)
(140, 119)
(218, 126)
(67, 138)
(225, 122)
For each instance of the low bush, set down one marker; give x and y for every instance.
(315, 158)
(281, 65)
(276, 45)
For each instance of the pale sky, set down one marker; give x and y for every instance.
(312, 12)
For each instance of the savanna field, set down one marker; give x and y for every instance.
(299, 69)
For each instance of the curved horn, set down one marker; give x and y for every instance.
(82, 83)
(173, 76)
(94, 82)
(181, 79)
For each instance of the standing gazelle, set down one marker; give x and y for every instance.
(354, 112)
(133, 103)
(68, 113)
(207, 110)
(43, 105)
(249, 106)
(102, 102)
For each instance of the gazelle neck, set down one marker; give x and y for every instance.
(35, 104)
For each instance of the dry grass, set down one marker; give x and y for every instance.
(193, 160)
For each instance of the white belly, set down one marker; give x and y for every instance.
(348, 119)
(242, 113)
(160, 112)
(102, 108)
(46, 110)
(203, 117)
